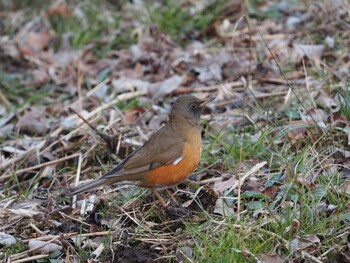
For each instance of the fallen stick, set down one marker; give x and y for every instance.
(21, 171)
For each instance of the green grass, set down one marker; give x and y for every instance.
(305, 186)
(21, 94)
(273, 229)
(176, 20)
(344, 96)
(91, 22)
(13, 249)
(225, 247)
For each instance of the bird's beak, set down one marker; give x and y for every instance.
(206, 101)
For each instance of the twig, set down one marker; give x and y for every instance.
(247, 174)
(97, 87)
(30, 151)
(111, 141)
(74, 219)
(36, 229)
(137, 222)
(311, 257)
(77, 179)
(70, 235)
(19, 255)
(21, 171)
(4, 100)
(31, 258)
(121, 97)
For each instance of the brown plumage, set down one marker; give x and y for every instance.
(167, 158)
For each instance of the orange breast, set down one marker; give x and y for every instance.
(170, 174)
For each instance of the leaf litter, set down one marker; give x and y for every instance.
(266, 74)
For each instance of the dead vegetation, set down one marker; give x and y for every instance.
(273, 184)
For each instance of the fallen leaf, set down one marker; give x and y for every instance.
(40, 77)
(221, 186)
(124, 85)
(34, 121)
(208, 74)
(265, 258)
(271, 191)
(132, 114)
(58, 9)
(166, 86)
(98, 250)
(313, 52)
(315, 116)
(221, 208)
(6, 239)
(38, 40)
(308, 243)
(345, 187)
(11, 149)
(50, 247)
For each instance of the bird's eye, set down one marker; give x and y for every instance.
(193, 106)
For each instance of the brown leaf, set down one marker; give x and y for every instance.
(132, 114)
(224, 185)
(252, 185)
(38, 40)
(58, 9)
(9, 48)
(40, 77)
(308, 243)
(265, 258)
(34, 121)
(271, 191)
(345, 187)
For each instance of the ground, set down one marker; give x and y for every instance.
(273, 183)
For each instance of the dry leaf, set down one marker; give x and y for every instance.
(6, 239)
(166, 86)
(221, 208)
(58, 9)
(34, 121)
(315, 116)
(271, 191)
(345, 187)
(313, 52)
(123, 85)
(309, 243)
(40, 77)
(221, 186)
(44, 249)
(38, 40)
(132, 114)
(265, 258)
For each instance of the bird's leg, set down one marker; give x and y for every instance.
(161, 200)
(170, 195)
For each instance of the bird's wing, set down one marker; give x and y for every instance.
(152, 154)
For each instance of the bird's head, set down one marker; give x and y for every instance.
(188, 108)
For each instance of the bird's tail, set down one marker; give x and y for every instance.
(87, 186)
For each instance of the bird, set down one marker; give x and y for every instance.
(168, 157)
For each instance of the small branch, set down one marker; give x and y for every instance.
(27, 259)
(4, 100)
(20, 255)
(77, 179)
(112, 142)
(21, 171)
(70, 235)
(254, 169)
